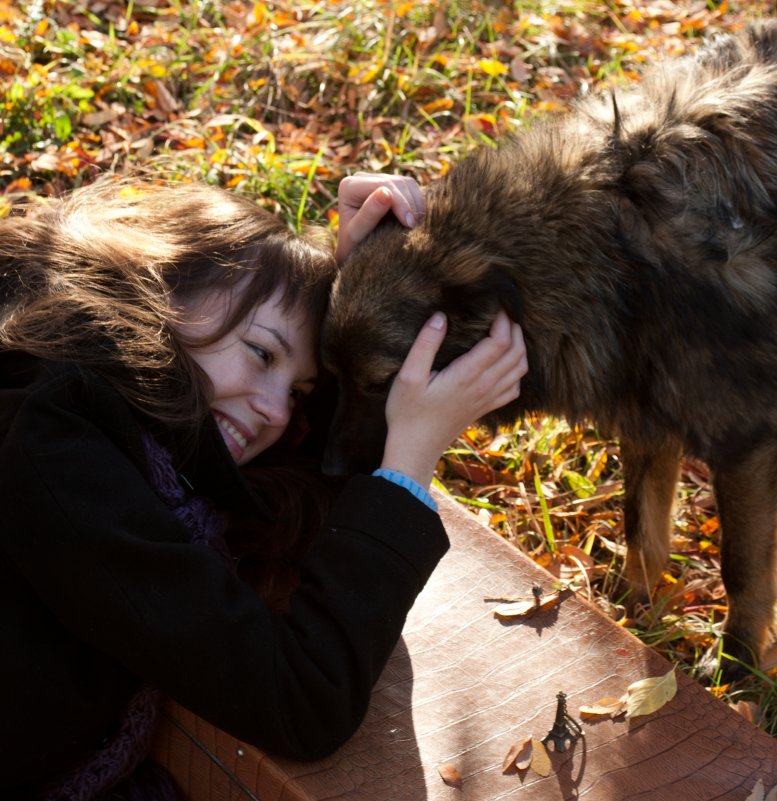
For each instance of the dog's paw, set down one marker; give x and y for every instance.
(727, 661)
(634, 599)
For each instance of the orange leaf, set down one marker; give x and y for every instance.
(475, 472)
(604, 708)
(712, 525)
(441, 104)
(528, 607)
(450, 775)
(518, 755)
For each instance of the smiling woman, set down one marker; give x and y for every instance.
(258, 371)
(158, 358)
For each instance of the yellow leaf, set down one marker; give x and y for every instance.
(5, 207)
(492, 67)
(259, 12)
(540, 761)
(648, 695)
(403, 9)
(363, 76)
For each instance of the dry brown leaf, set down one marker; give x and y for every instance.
(449, 773)
(540, 761)
(648, 695)
(748, 710)
(528, 607)
(604, 708)
(758, 793)
(518, 755)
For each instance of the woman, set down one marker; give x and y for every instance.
(156, 344)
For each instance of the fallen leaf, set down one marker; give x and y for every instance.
(450, 775)
(540, 761)
(529, 753)
(518, 755)
(648, 695)
(527, 607)
(747, 709)
(604, 708)
(492, 67)
(758, 793)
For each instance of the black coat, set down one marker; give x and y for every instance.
(100, 587)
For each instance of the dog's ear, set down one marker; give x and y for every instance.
(471, 308)
(482, 297)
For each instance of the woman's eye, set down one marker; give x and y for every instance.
(299, 394)
(263, 354)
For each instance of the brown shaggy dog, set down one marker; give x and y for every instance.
(635, 241)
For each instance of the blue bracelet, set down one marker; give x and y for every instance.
(400, 479)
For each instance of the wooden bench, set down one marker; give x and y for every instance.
(462, 686)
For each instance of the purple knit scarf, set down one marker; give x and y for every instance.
(112, 773)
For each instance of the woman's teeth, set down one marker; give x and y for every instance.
(232, 431)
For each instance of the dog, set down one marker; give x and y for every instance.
(635, 241)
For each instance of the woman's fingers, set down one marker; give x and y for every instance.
(427, 409)
(418, 363)
(365, 198)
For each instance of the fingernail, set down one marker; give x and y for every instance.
(385, 194)
(410, 219)
(437, 321)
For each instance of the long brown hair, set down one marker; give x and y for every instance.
(96, 279)
(91, 278)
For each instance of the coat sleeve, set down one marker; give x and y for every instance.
(119, 572)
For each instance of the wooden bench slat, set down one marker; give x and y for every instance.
(462, 686)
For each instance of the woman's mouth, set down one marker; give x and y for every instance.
(234, 439)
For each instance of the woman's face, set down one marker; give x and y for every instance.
(258, 371)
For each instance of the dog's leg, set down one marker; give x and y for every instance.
(650, 475)
(747, 506)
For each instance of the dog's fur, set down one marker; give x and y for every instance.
(635, 241)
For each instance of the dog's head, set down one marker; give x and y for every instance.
(387, 289)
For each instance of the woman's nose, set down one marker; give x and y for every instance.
(274, 404)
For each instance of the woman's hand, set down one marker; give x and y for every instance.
(426, 410)
(363, 200)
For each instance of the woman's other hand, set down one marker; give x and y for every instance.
(426, 410)
(364, 199)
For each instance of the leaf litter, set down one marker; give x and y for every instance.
(641, 698)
